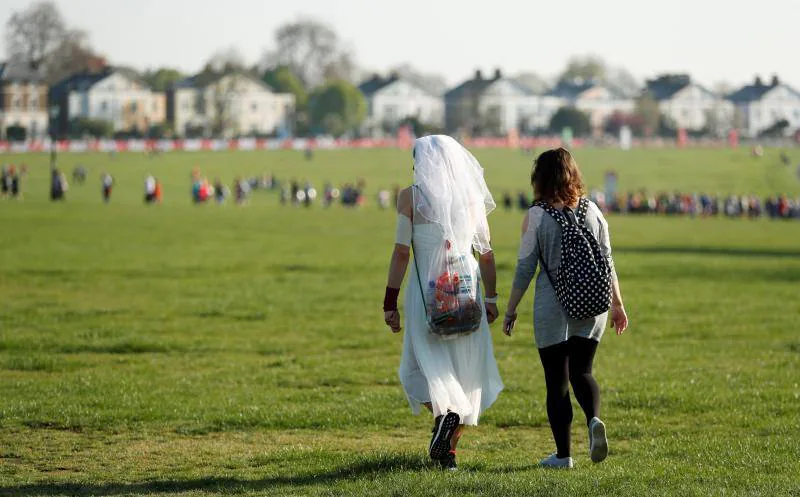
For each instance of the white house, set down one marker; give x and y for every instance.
(764, 105)
(497, 105)
(595, 99)
(689, 105)
(115, 95)
(228, 104)
(23, 100)
(392, 99)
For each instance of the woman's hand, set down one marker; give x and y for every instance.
(491, 312)
(392, 319)
(619, 319)
(508, 322)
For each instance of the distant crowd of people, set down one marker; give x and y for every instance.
(683, 204)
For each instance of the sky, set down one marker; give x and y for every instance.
(713, 40)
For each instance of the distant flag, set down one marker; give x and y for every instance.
(683, 138)
(733, 138)
(625, 138)
(404, 136)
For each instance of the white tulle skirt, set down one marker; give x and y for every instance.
(458, 374)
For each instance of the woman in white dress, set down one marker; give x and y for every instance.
(456, 378)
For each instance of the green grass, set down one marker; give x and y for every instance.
(183, 350)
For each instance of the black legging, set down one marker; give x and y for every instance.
(565, 363)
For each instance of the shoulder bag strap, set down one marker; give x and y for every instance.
(414, 255)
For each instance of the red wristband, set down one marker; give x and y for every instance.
(390, 299)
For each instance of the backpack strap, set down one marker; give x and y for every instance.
(556, 214)
(582, 210)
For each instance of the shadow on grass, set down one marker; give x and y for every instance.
(722, 251)
(365, 467)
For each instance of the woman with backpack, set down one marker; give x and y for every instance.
(567, 236)
(448, 363)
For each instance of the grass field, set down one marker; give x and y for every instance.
(185, 350)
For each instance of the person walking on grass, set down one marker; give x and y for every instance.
(442, 216)
(567, 236)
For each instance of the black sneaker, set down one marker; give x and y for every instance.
(443, 429)
(448, 463)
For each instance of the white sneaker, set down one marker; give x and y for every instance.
(598, 444)
(556, 462)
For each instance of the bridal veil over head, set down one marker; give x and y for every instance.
(452, 192)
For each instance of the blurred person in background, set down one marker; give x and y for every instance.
(79, 174)
(241, 189)
(5, 181)
(15, 188)
(383, 199)
(107, 182)
(58, 185)
(149, 189)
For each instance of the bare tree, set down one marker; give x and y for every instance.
(227, 59)
(434, 84)
(532, 81)
(310, 49)
(223, 94)
(73, 54)
(33, 34)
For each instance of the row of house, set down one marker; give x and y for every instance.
(231, 103)
(504, 104)
(236, 103)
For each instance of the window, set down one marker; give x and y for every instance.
(155, 106)
(186, 103)
(33, 102)
(134, 106)
(254, 107)
(16, 103)
(103, 106)
(390, 113)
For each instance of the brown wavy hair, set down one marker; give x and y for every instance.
(557, 178)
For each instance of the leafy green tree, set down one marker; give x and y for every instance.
(282, 80)
(16, 133)
(161, 79)
(341, 99)
(648, 111)
(570, 117)
(95, 128)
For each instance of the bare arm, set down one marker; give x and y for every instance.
(399, 261)
(489, 278)
(398, 265)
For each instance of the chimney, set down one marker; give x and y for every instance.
(775, 80)
(394, 75)
(759, 82)
(498, 74)
(478, 75)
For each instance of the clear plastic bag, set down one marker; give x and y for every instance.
(450, 292)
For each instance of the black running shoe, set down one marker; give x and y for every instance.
(443, 430)
(448, 463)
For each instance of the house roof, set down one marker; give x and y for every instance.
(667, 86)
(83, 81)
(376, 83)
(206, 77)
(473, 86)
(573, 88)
(757, 90)
(15, 71)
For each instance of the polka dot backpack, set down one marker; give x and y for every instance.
(583, 280)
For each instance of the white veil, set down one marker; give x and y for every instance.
(451, 192)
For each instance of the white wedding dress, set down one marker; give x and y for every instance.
(457, 374)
